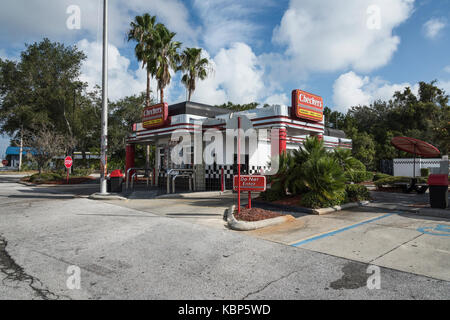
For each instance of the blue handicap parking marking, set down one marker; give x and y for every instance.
(439, 230)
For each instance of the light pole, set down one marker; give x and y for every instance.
(104, 134)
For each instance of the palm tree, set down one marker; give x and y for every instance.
(195, 67)
(347, 161)
(142, 30)
(167, 56)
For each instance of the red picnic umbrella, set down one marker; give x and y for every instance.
(415, 147)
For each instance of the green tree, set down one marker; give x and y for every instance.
(346, 160)
(39, 89)
(319, 171)
(167, 56)
(194, 67)
(142, 30)
(364, 149)
(239, 107)
(425, 116)
(123, 114)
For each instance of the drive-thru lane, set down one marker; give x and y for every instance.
(128, 253)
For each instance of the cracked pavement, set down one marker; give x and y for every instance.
(124, 253)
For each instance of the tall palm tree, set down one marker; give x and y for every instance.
(195, 67)
(142, 30)
(167, 56)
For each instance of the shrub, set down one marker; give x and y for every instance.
(358, 176)
(356, 192)
(324, 177)
(82, 172)
(272, 195)
(424, 172)
(47, 176)
(313, 201)
(391, 181)
(346, 160)
(380, 175)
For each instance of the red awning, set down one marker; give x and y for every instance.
(416, 147)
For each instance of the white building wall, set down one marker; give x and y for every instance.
(405, 166)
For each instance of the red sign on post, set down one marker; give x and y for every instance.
(155, 116)
(68, 162)
(250, 183)
(306, 105)
(5, 162)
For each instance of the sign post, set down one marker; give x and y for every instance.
(239, 164)
(5, 162)
(68, 162)
(249, 184)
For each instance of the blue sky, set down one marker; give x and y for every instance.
(350, 52)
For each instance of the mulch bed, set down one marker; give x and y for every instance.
(255, 214)
(76, 180)
(290, 201)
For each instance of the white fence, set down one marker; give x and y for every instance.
(404, 167)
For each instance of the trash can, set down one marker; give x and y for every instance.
(438, 184)
(116, 180)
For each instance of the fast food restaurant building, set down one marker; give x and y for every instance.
(304, 118)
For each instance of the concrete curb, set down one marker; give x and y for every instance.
(109, 196)
(28, 184)
(428, 212)
(320, 211)
(338, 208)
(206, 194)
(253, 225)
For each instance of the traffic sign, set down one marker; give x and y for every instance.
(68, 162)
(5, 162)
(250, 183)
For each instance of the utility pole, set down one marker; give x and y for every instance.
(21, 148)
(104, 134)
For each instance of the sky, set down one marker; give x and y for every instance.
(350, 52)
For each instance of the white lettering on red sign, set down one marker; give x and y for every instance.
(250, 183)
(68, 162)
(152, 112)
(310, 100)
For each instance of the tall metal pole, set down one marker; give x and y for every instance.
(239, 164)
(104, 134)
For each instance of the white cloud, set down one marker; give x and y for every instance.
(225, 22)
(47, 18)
(237, 77)
(329, 35)
(444, 85)
(447, 69)
(121, 80)
(353, 90)
(281, 99)
(433, 27)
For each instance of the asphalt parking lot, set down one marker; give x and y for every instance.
(157, 253)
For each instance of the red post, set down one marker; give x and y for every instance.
(239, 164)
(249, 199)
(221, 181)
(282, 140)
